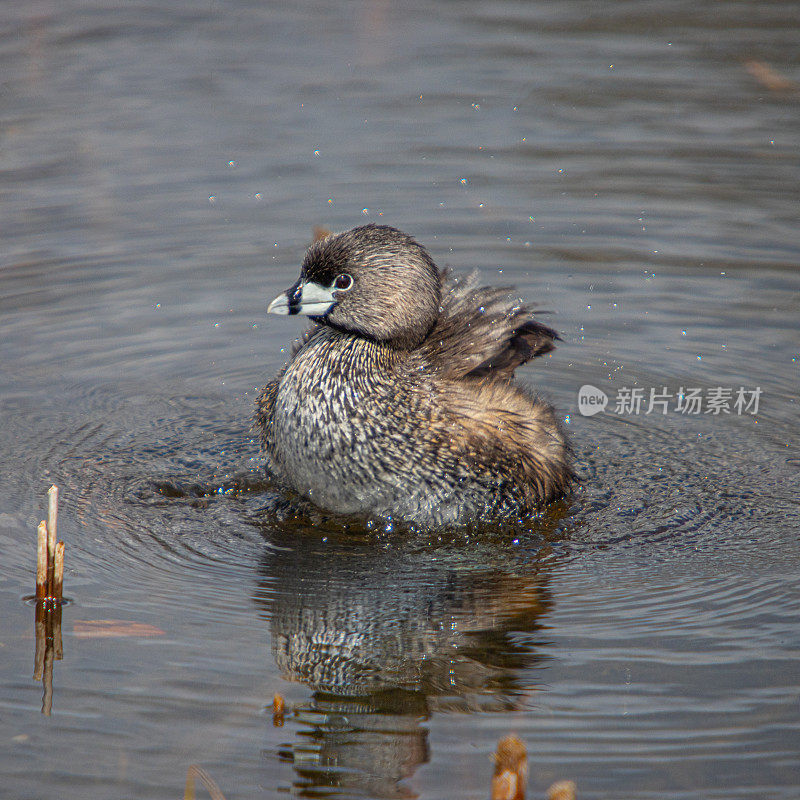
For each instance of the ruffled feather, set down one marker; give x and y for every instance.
(482, 332)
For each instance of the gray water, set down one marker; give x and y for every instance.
(624, 165)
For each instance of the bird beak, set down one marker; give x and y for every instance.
(304, 297)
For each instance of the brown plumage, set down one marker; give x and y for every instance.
(401, 401)
(478, 333)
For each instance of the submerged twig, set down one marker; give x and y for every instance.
(47, 680)
(196, 771)
(41, 641)
(769, 77)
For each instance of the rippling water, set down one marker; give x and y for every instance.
(632, 167)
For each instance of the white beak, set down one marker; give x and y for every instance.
(306, 298)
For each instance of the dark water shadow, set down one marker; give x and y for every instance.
(390, 631)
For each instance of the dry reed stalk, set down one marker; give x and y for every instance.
(49, 591)
(278, 709)
(52, 509)
(51, 560)
(52, 535)
(58, 577)
(510, 770)
(41, 561)
(562, 790)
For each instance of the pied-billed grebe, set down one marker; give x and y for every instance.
(400, 401)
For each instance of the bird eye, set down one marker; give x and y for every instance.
(343, 282)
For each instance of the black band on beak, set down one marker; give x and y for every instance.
(294, 294)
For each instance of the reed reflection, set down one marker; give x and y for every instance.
(385, 636)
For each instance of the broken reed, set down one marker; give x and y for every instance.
(50, 554)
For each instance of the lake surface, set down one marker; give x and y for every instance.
(631, 167)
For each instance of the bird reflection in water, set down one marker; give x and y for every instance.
(387, 633)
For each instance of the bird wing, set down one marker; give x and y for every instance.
(482, 332)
